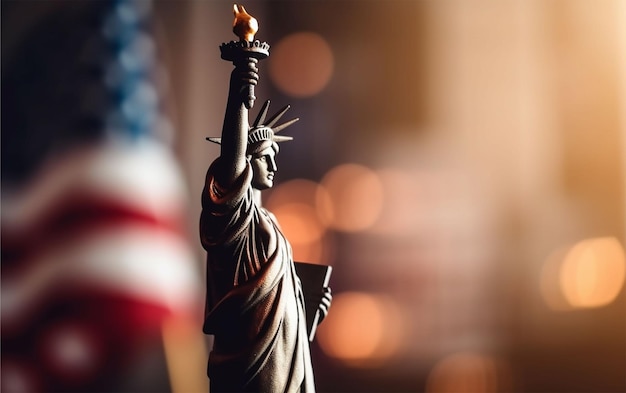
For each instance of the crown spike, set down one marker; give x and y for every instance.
(284, 125)
(265, 132)
(261, 117)
(215, 140)
(277, 116)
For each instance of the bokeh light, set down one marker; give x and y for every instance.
(301, 64)
(465, 372)
(300, 223)
(589, 274)
(72, 350)
(593, 272)
(362, 330)
(353, 198)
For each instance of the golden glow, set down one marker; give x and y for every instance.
(299, 223)
(354, 198)
(316, 252)
(464, 373)
(362, 329)
(245, 25)
(301, 64)
(293, 204)
(593, 272)
(184, 350)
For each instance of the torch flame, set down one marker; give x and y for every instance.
(245, 25)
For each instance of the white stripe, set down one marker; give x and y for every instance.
(143, 175)
(149, 264)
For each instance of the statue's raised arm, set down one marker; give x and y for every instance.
(234, 140)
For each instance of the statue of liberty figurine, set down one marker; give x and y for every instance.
(255, 304)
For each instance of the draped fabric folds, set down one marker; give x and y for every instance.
(255, 305)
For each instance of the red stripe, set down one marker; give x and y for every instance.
(118, 313)
(77, 216)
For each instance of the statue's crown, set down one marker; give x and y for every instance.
(261, 131)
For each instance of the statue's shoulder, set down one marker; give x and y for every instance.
(270, 216)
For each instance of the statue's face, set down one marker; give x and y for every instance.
(263, 169)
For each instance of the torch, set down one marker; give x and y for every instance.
(246, 50)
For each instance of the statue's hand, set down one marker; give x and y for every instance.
(245, 74)
(324, 305)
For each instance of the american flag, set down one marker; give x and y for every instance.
(95, 253)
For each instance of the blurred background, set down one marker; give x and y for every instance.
(460, 164)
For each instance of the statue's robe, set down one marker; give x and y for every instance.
(255, 305)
